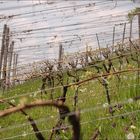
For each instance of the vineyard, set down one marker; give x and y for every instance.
(100, 99)
(87, 95)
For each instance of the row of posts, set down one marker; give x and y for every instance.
(8, 60)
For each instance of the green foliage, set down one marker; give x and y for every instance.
(133, 13)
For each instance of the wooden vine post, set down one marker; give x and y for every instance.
(86, 57)
(6, 45)
(113, 40)
(124, 31)
(10, 57)
(139, 26)
(139, 52)
(130, 33)
(2, 49)
(6, 58)
(99, 46)
(60, 56)
(15, 60)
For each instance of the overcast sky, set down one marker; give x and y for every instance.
(74, 23)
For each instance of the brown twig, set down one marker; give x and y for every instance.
(103, 75)
(95, 135)
(73, 118)
(38, 134)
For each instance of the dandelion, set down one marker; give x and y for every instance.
(130, 136)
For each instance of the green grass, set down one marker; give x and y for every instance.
(91, 99)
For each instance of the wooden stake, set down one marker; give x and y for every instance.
(10, 62)
(99, 44)
(6, 55)
(113, 40)
(15, 67)
(86, 55)
(60, 56)
(124, 33)
(2, 49)
(139, 26)
(131, 26)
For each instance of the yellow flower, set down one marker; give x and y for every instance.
(129, 66)
(88, 73)
(133, 127)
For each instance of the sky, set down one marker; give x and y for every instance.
(38, 28)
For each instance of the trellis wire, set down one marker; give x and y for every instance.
(129, 101)
(99, 119)
(69, 85)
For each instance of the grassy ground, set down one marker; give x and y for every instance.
(92, 102)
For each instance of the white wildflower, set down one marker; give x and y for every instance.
(31, 129)
(12, 101)
(31, 95)
(27, 117)
(106, 81)
(130, 136)
(24, 134)
(133, 127)
(35, 94)
(80, 101)
(91, 91)
(130, 100)
(83, 90)
(63, 131)
(125, 77)
(105, 105)
(52, 116)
